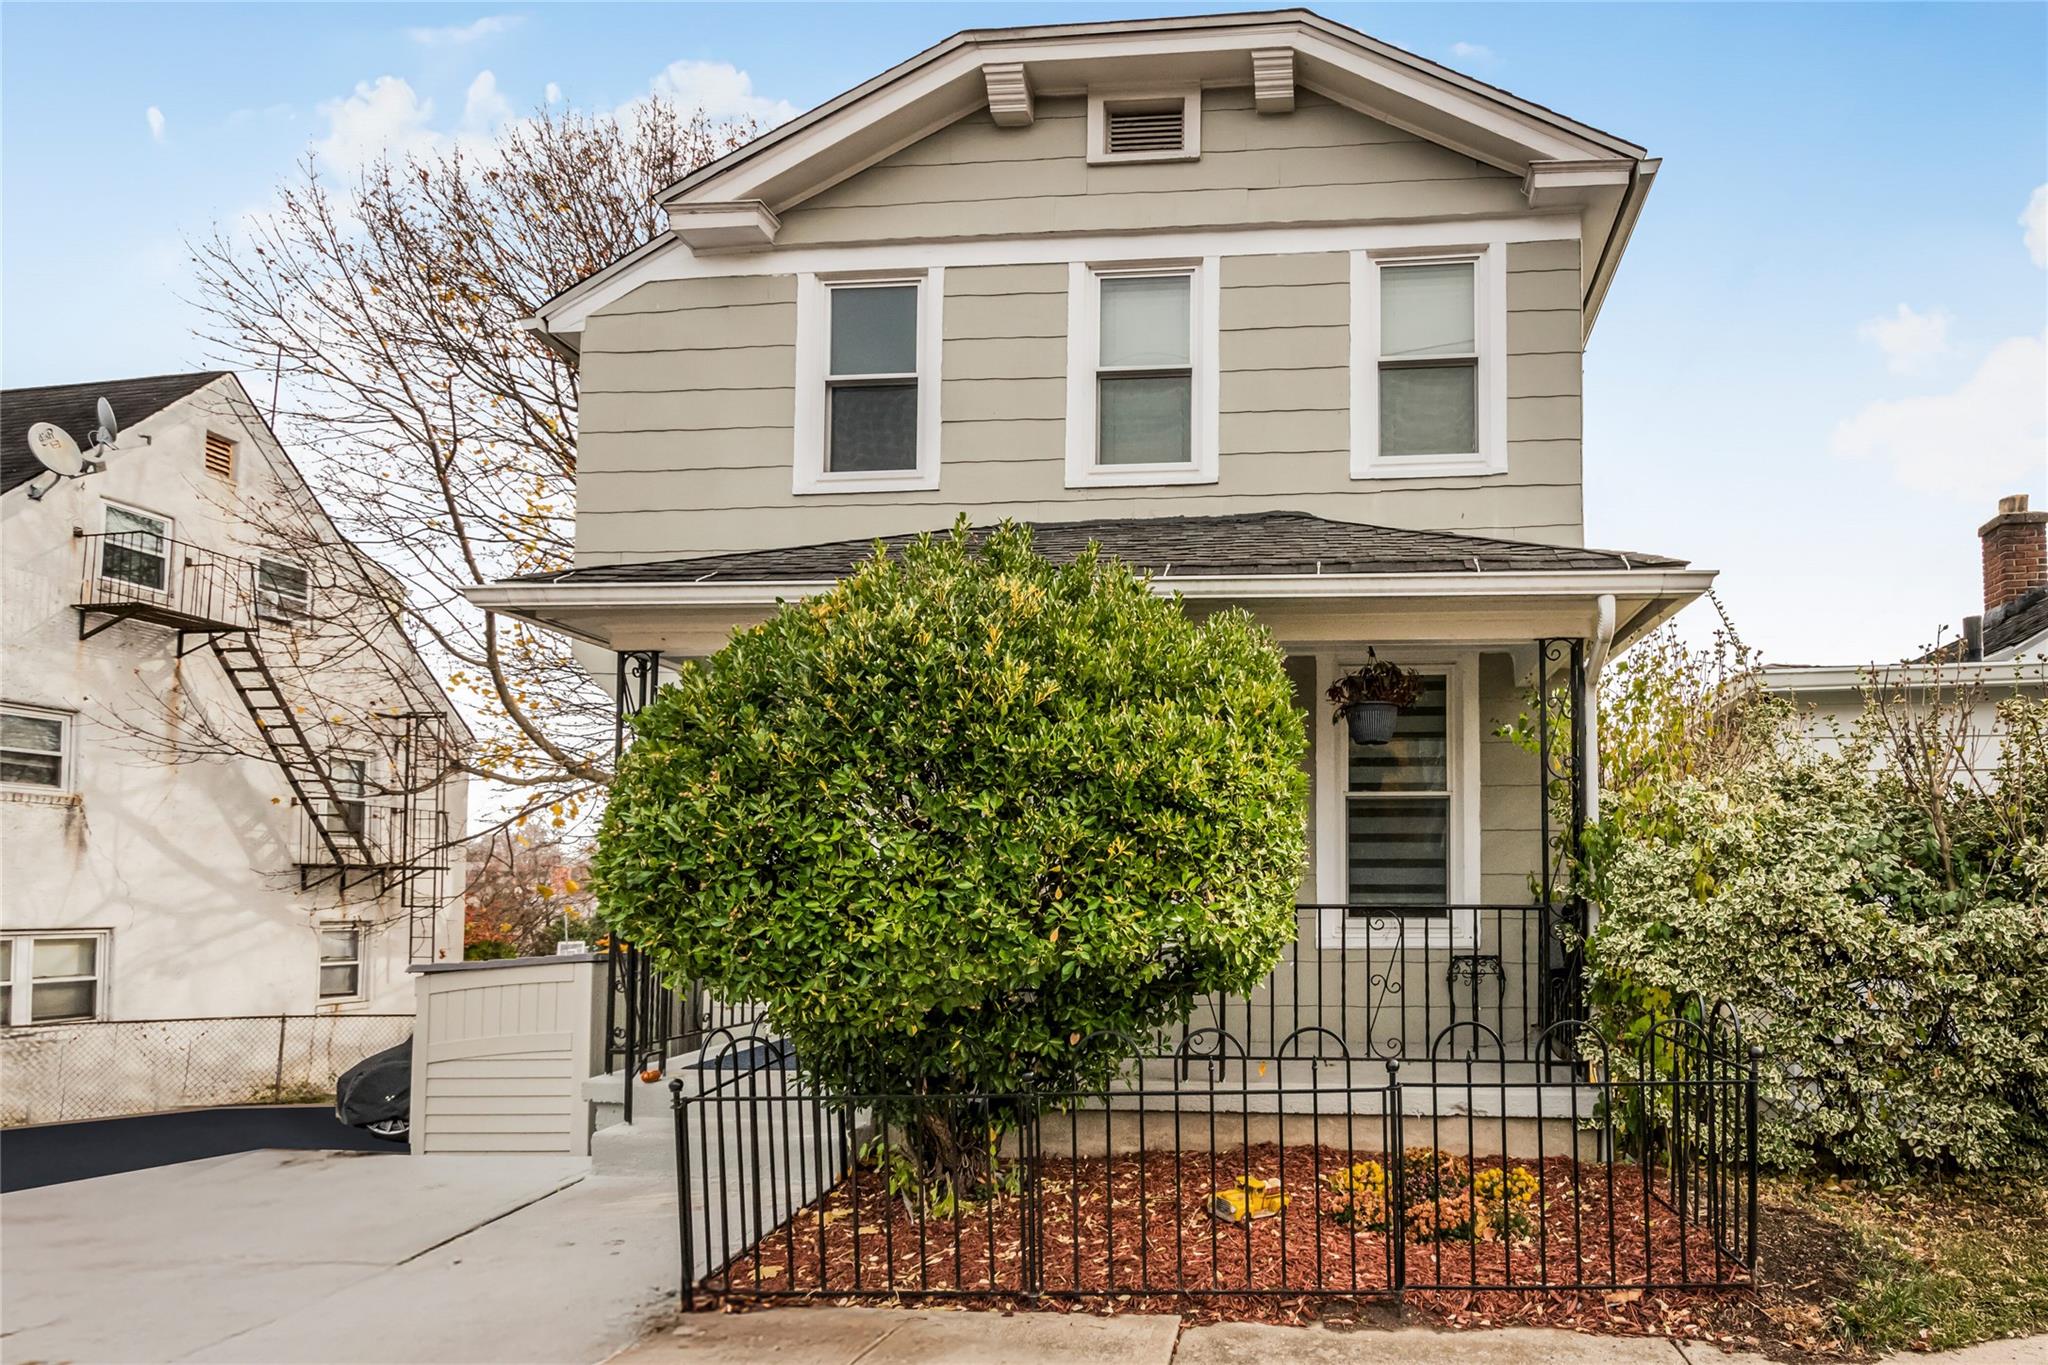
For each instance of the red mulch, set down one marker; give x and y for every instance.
(1130, 1235)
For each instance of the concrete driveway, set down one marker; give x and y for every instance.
(336, 1256)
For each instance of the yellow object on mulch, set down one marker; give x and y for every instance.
(1248, 1198)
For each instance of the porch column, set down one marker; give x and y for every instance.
(1565, 740)
(627, 977)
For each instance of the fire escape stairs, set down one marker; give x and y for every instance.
(278, 723)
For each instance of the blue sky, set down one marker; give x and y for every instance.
(1820, 365)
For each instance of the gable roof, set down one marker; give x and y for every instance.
(1053, 53)
(74, 407)
(734, 200)
(1246, 545)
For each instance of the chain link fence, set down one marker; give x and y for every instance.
(61, 1072)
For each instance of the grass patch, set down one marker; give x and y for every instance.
(1943, 1264)
(1860, 1270)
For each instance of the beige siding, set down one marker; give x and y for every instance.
(1322, 163)
(687, 449)
(689, 400)
(500, 1057)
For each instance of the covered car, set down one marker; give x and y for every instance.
(376, 1093)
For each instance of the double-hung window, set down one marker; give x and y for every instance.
(1428, 396)
(34, 746)
(136, 549)
(351, 785)
(284, 590)
(867, 414)
(51, 978)
(1141, 378)
(341, 961)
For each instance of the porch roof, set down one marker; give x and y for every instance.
(1245, 545)
(1308, 577)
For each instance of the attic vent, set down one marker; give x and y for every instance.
(220, 456)
(1152, 126)
(1133, 131)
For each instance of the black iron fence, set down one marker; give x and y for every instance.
(55, 1073)
(1224, 1168)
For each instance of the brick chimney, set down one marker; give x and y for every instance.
(2015, 555)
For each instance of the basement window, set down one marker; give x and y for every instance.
(1159, 125)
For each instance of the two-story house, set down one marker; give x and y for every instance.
(225, 781)
(1289, 317)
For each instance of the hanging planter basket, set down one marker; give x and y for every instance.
(1370, 699)
(1372, 722)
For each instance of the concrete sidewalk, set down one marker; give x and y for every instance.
(889, 1336)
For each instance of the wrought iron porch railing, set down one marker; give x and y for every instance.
(1390, 979)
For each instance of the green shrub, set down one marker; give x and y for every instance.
(1877, 915)
(969, 821)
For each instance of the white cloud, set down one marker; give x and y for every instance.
(483, 107)
(553, 93)
(1972, 442)
(2035, 220)
(457, 35)
(1478, 54)
(379, 118)
(1910, 341)
(722, 91)
(155, 118)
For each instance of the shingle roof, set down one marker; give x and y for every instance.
(1248, 544)
(74, 408)
(2017, 627)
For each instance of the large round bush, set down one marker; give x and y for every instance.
(966, 819)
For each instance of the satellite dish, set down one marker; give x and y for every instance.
(107, 433)
(57, 451)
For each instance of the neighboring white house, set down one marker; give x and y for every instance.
(223, 787)
(1999, 654)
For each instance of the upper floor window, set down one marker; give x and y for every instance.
(1429, 396)
(351, 778)
(136, 549)
(1141, 375)
(34, 746)
(868, 402)
(284, 590)
(51, 978)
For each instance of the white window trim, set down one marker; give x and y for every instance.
(1490, 384)
(66, 753)
(22, 981)
(289, 615)
(1084, 348)
(1190, 97)
(1459, 929)
(813, 361)
(170, 535)
(361, 962)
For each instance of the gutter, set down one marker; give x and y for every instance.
(1795, 679)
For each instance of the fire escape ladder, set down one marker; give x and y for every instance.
(278, 723)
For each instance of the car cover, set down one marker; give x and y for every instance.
(377, 1088)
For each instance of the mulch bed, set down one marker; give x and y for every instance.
(1135, 1235)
